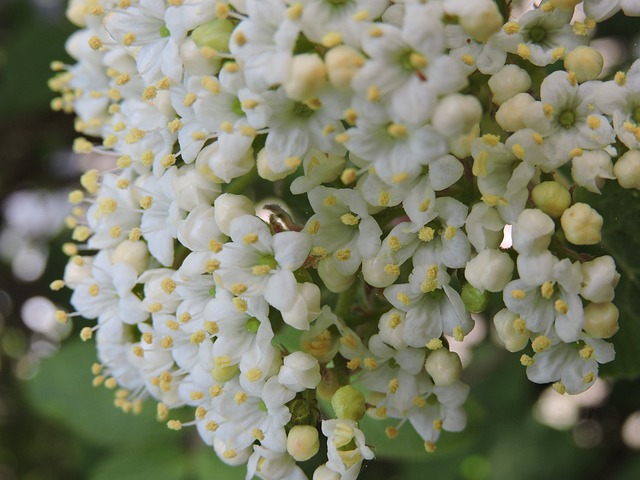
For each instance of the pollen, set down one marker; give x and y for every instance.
(383, 199)
(155, 307)
(547, 109)
(547, 290)
(331, 39)
(349, 340)
(134, 136)
(511, 27)
(450, 232)
(257, 434)
(588, 378)
(419, 402)
(434, 344)
(168, 160)
(518, 294)
(540, 344)
(128, 39)
(518, 151)
(403, 298)
(381, 412)
(426, 234)
(238, 288)
(294, 11)
(519, 325)
(437, 424)
(174, 424)
(394, 321)
(211, 327)
(399, 177)
(215, 391)
(491, 140)
(392, 269)
(254, 374)
(211, 85)
(215, 246)
(342, 138)
(198, 337)
(172, 325)
(468, 59)
(393, 385)
(559, 388)
(397, 130)
(75, 197)
(537, 138)
(370, 363)
(561, 306)
(82, 145)
(166, 342)
(353, 364)
(394, 243)
(557, 53)
(391, 432)
(56, 285)
(571, 78)
(122, 184)
(360, 15)
(138, 351)
(95, 43)
(329, 201)
(375, 32)
(174, 125)
(373, 94)
(147, 338)
(458, 334)
(146, 202)
(524, 51)
(593, 122)
(351, 116)
(184, 317)
(212, 426)
(586, 352)
(250, 238)
(343, 254)
(240, 398)
(259, 270)
(526, 360)
(240, 304)
(124, 161)
(313, 227)
(349, 219)
(86, 334)
(424, 205)
(620, 78)
(135, 234)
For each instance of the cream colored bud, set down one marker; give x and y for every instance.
(375, 273)
(590, 169)
(265, 171)
(306, 307)
(334, 280)
(581, 224)
(135, 254)
(228, 207)
(601, 320)
(627, 170)
(303, 442)
(323, 472)
(511, 330)
(532, 231)
(510, 115)
(551, 197)
(307, 75)
(585, 62)
(490, 270)
(444, 367)
(342, 63)
(508, 82)
(599, 279)
(456, 115)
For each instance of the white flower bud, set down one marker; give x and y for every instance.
(480, 18)
(307, 75)
(591, 168)
(265, 171)
(585, 62)
(581, 224)
(199, 229)
(333, 280)
(342, 63)
(551, 197)
(510, 114)
(303, 442)
(135, 254)
(511, 330)
(627, 170)
(457, 114)
(299, 372)
(229, 207)
(306, 307)
(375, 274)
(230, 456)
(192, 189)
(601, 320)
(444, 367)
(531, 234)
(325, 473)
(508, 82)
(490, 270)
(391, 326)
(599, 279)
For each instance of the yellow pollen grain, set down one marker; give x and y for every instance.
(426, 234)
(249, 104)
(557, 53)
(391, 432)
(519, 325)
(294, 11)
(586, 352)
(353, 364)
(434, 344)
(458, 334)
(397, 130)
(419, 402)
(86, 334)
(546, 289)
(146, 202)
(370, 363)
(524, 51)
(200, 413)
(537, 138)
(128, 39)
(430, 447)
(349, 219)
(260, 270)
(593, 122)
(134, 136)
(450, 232)
(138, 351)
(547, 109)
(240, 304)
(215, 391)
(561, 306)
(248, 131)
(392, 269)
(399, 177)
(341, 138)
(424, 205)
(329, 201)
(254, 374)
(403, 298)
(559, 388)
(381, 412)
(257, 434)
(572, 79)
(238, 288)
(211, 327)
(135, 234)
(375, 32)
(189, 99)
(164, 83)
(383, 199)
(394, 243)
(313, 227)
(360, 15)
(620, 78)
(518, 151)
(174, 425)
(211, 85)
(149, 93)
(240, 38)
(212, 426)
(174, 125)
(250, 238)
(518, 294)
(198, 337)
(95, 43)
(240, 398)
(511, 27)
(588, 378)
(155, 307)
(343, 254)
(526, 360)
(394, 321)
(166, 342)
(172, 325)
(124, 161)
(184, 317)
(82, 145)
(393, 385)
(231, 67)
(373, 94)
(331, 39)
(123, 79)
(351, 116)
(168, 285)
(540, 344)
(491, 140)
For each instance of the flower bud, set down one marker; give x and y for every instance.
(325, 473)
(511, 330)
(303, 442)
(532, 232)
(265, 171)
(551, 197)
(601, 320)
(307, 75)
(306, 307)
(456, 114)
(222, 373)
(334, 280)
(229, 207)
(490, 270)
(475, 300)
(215, 34)
(627, 170)
(444, 367)
(480, 18)
(342, 63)
(349, 403)
(510, 114)
(599, 279)
(508, 82)
(591, 168)
(375, 273)
(585, 62)
(135, 254)
(299, 372)
(581, 224)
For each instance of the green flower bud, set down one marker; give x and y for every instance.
(348, 403)
(474, 300)
(215, 34)
(551, 197)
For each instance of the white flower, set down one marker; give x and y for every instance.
(599, 279)
(340, 434)
(299, 371)
(600, 10)
(490, 270)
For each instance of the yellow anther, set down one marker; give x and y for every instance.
(394, 243)
(168, 160)
(319, 252)
(250, 238)
(393, 385)
(329, 201)
(342, 138)
(593, 122)
(260, 269)
(254, 374)
(547, 109)
(434, 344)
(200, 412)
(134, 136)
(468, 59)
(97, 381)
(620, 78)
(426, 234)
(155, 307)
(399, 177)
(238, 288)
(128, 39)
(138, 351)
(360, 15)
(82, 145)
(526, 360)
(135, 234)
(450, 232)
(392, 269)
(231, 67)
(75, 197)
(198, 136)
(375, 32)
(240, 398)
(394, 321)
(86, 333)
(328, 130)
(124, 161)
(537, 138)
(373, 94)
(491, 140)
(166, 342)
(292, 162)
(174, 125)
(383, 199)
(145, 202)
(211, 327)
(561, 306)
(391, 432)
(229, 454)
(370, 363)
(95, 43)
(437, 424)
(518, 151)
(240, 304)
(511, 27)
(349, 340)
(174, 424)
(257, 434)
(111, 383)
(215, 391)
(351, 116)
(458, 334)
(397, 130)
(331, 39)
(586, 352)
(518, 294)
(168, 285)
(430, 447)
(353, 364)
(403, 298)
(559, 388)
(349, 219)
(240, 38)
(540, 344)
(547, 289)
(588, 378)
(381, 412)
(81, 233)
(343, 254)
(524, 51)
(172, 325)
(198, 337)
(96, 368)
(123, 79)
(557, 53)
(417, 60)
(313, 227)
(248, 131)
(519, 325)
(222, 9)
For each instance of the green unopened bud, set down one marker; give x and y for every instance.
(551, 197)
(582, 225)
(474, 300)
(348, 403)
(223, 373)
(215, 34)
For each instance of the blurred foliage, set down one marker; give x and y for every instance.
(57, 426)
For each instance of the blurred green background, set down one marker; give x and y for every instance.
(55, 425)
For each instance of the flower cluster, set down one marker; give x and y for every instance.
(409, 135)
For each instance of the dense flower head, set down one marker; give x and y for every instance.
(335, 170)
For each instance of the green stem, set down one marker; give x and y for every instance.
(238, 185)
(345, 301)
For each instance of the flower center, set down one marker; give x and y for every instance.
(252, 325)
(236, 107)
(537, 34)
(301, 110)
(567, 119)
(269, 261)
(164, 31)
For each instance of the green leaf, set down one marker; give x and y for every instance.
(150, 464)
(62, 390)
(620, 209)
